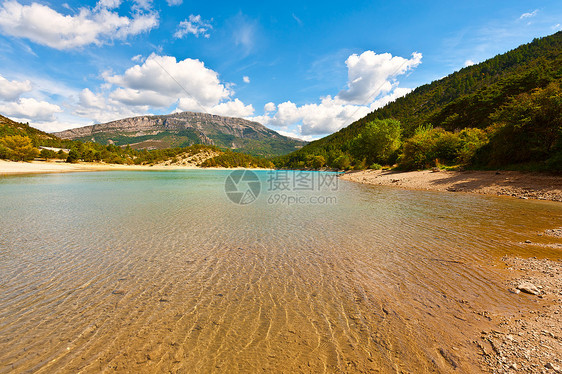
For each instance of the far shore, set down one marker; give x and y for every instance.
(40, 167)
(524, 185)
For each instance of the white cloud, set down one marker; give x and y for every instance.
(45, 26)
(557, 27)
(328, 116)
(162, 80)
(529, 15)
(108, 4)
(371, 84)
(142, 5)
(137, 58)
(246, 79)
(28, 109)
(96, 107)
(195, 25)
(371, 74)
(233, 108)
(11, 90)
(468, 63)
(174, 2)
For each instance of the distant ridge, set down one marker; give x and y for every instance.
(187, 128)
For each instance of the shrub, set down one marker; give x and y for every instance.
(342, 162)
(47, 153)
(471, 140)
(430, 147)
(375, 167)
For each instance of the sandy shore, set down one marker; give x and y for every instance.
(504, 183)
(38, 167)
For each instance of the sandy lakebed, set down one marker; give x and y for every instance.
(525, 337)
(527, 341)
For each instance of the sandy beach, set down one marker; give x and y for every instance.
(39, 167)
(501, 183)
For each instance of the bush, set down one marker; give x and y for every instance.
(471, 140)
(360, 165)
(47, 153)
(342, 162)
(430, 147)
(375, 167)
(4, 152)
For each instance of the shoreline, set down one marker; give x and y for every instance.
(523, 185)
(45, 167)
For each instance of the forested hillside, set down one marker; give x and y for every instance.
(526, 80)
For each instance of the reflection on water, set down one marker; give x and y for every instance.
(160, 271)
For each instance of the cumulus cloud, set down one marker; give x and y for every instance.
(371, 85)
(371, 74)
(28, 109)
(194, 25)
(232, 108)
(96, 107)
(529, 15)
(161, 82)
(11, 90)
(174, 2)
(246, 79)
(45, 26)
(328, 116)
(468, 63)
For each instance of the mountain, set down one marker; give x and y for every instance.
(468, 98)
(187, 128)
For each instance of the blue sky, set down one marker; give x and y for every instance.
(305, 69)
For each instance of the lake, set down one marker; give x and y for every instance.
(190, 271)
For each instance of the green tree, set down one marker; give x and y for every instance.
(529, 128)
(315, 162)
(20, 148)
(378, 141)
(73, 156)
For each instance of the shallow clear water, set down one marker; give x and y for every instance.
(160, 271)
